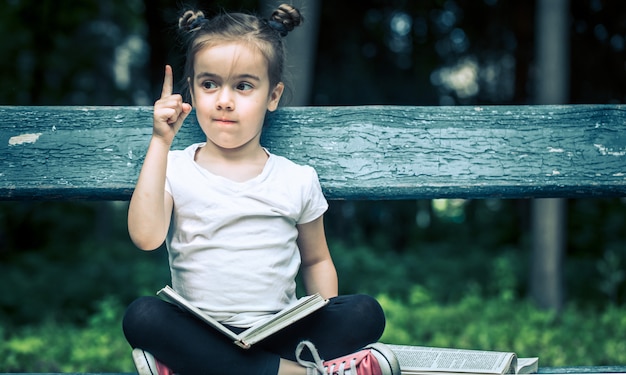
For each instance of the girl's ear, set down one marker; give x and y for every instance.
(275, 95)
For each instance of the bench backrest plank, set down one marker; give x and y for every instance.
(367, 152)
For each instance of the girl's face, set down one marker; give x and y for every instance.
(231, 93)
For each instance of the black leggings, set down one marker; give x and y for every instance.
(189, 346)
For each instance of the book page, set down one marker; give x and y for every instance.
(298, 310)
(428, 360)
(168, 294)
(527, 365)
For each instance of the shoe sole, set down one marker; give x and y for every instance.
(143, 362)
(385, 355)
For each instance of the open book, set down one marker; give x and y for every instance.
(292, 313)
(422, 360)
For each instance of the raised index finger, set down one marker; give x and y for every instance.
(168, 82)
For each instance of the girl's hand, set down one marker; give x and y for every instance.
(169, 111)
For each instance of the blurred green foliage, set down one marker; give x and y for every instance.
(466, 244)
(72, 53)
(576, 337)
(97, 345)
(62, 258)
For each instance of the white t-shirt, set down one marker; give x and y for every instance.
(232, 246)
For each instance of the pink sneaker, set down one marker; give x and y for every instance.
(374, 359)
(146, 364)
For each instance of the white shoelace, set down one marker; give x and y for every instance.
(317, 365)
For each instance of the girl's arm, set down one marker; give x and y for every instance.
(318, 270)
(150, 207)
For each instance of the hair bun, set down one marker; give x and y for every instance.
(191, 21)
(285, 19)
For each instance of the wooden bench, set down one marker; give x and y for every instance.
(369, 152)
(372, 152)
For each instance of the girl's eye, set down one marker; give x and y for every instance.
(244, 86)
(208, 85)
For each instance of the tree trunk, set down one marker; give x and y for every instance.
(548, 225)
(301, 51)
(548, 215)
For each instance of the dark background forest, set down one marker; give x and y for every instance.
(448, 272)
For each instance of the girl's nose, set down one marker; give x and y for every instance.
(225, 100)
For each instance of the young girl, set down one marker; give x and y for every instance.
(239, 222)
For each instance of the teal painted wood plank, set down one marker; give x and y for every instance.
(583, 370)
(542, 370)
(372, 152)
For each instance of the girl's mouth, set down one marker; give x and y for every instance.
(224, 121)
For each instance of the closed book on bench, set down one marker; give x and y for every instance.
(422, 360)
(282, 319)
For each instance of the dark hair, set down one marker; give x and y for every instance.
(265, 34)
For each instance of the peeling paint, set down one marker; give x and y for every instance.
(24, 138)
(607, 151)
